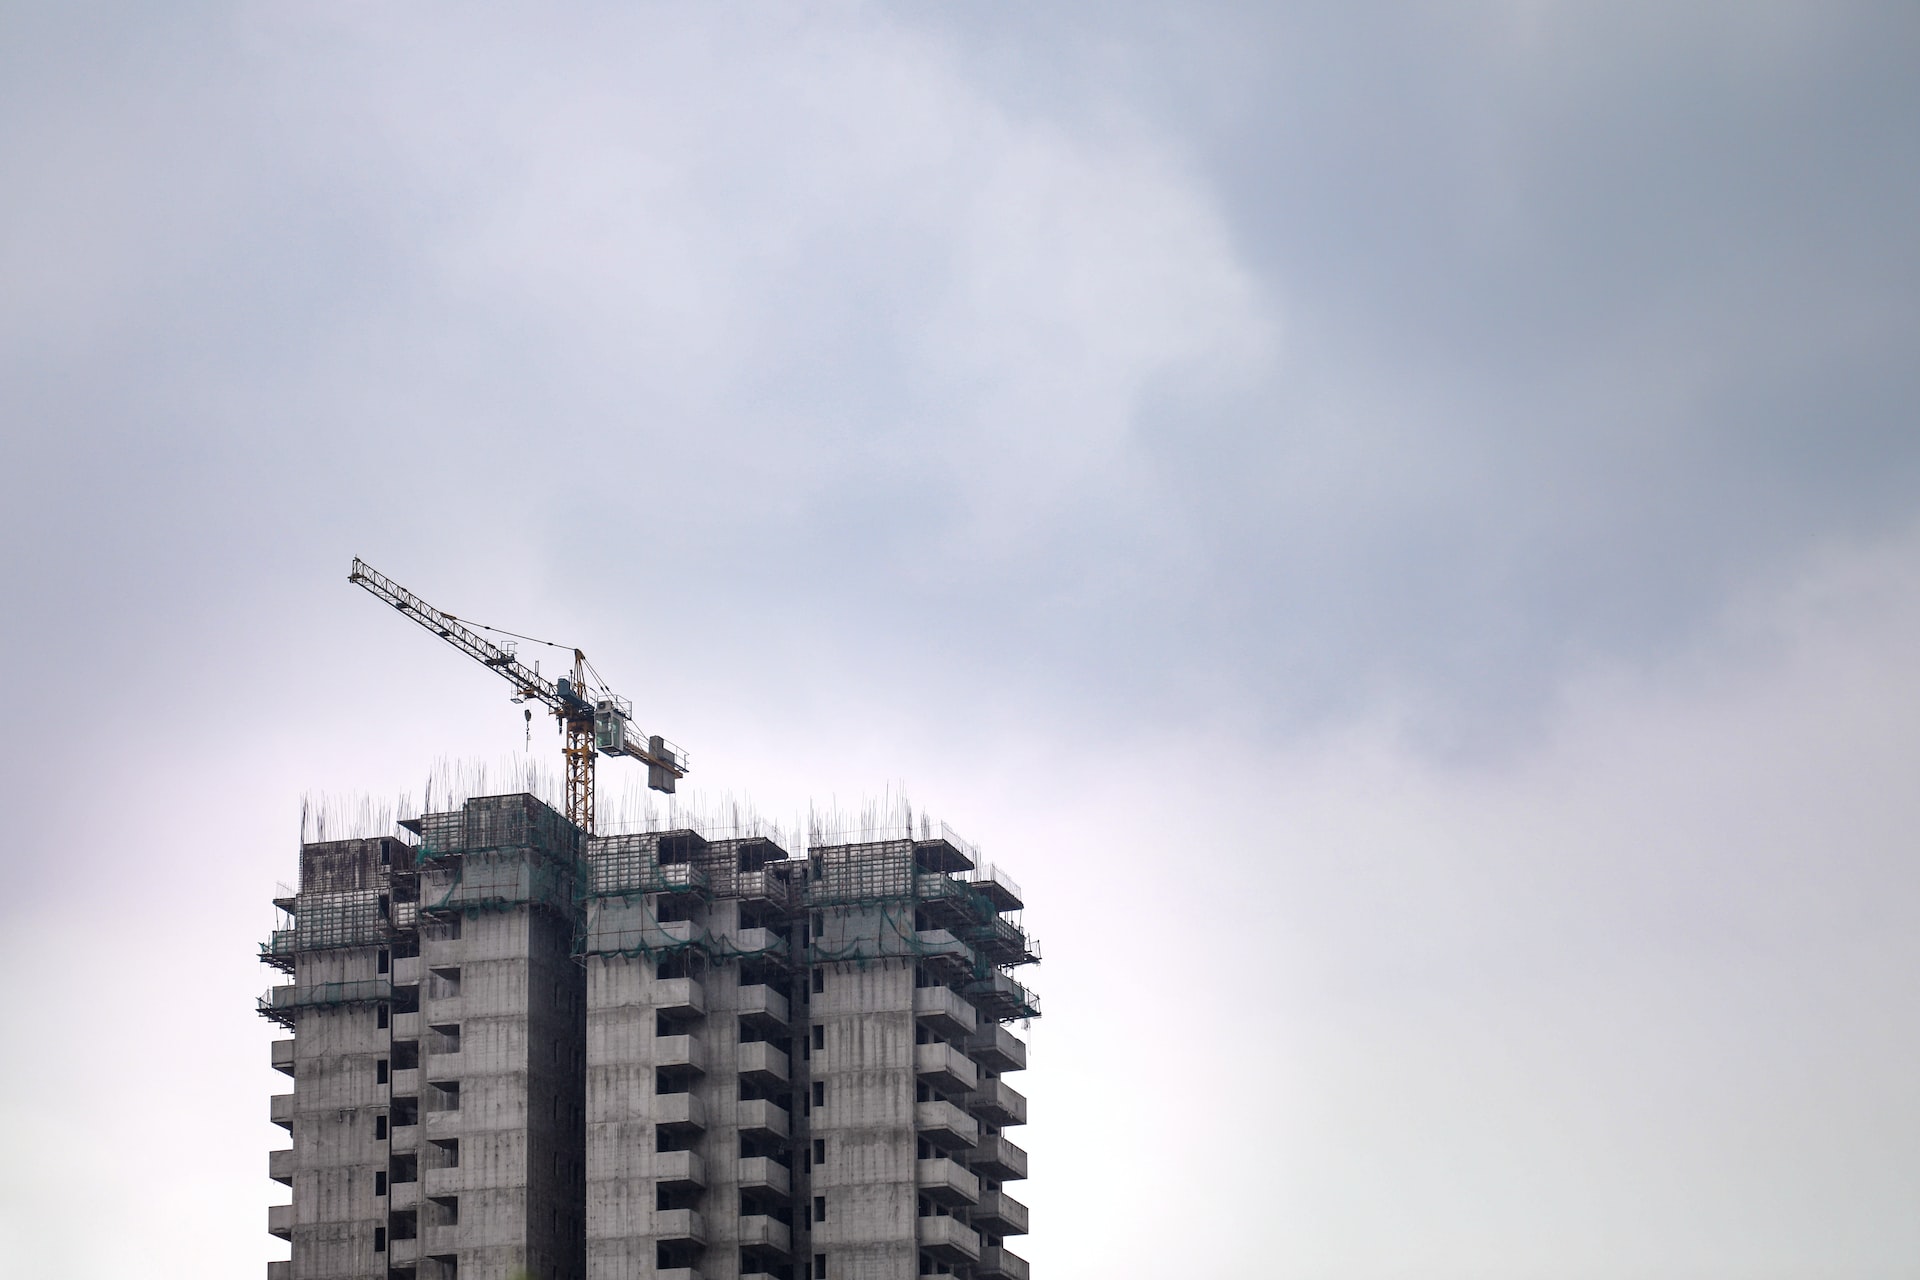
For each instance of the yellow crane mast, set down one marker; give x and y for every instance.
(596, 720)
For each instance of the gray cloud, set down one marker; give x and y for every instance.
(1251, 357)
(1101, 421)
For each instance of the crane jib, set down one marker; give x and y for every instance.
(594, 726)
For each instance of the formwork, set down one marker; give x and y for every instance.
(498, 853)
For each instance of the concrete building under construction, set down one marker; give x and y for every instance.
(522, 1051)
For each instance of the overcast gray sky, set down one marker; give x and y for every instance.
(1397, 523)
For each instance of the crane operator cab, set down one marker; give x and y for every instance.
(610, 716)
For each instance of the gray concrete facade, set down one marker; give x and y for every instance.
(520, 1051)
(908, 947)
(690, 1082)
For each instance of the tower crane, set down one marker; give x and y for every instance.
(594, 720)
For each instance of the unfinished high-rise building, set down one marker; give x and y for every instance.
(523, 1051)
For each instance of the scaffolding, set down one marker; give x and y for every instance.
(284, 1004)
(278, 950)
(1000, 998)
(1002, 942)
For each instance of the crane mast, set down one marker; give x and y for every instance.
(593, 725)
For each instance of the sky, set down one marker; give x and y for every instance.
(1396, 523)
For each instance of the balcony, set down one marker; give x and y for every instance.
(283, 1056)
(945, 1068)
(280, 1110)
(679, 1226)
(998, 1049)
(678, 1273)
(949, 1239)
(944, 1182)
(679, 877)
(680, 1169)
(945, 1125)
(613, 925)
(766, 885)
(943, 851)
(997, 1264)
(679, 1113)
(765, 1174)
(280, 1166)
(670, 935)
(763, 1117)
(998, 1159)
(998, 1104)
(685, 1054)
(763, 1007)
(947, 901)
(758, 1231)
(999, 1214)
(760, 1061)
(763, 943)
(1000, 997)
(1003, 942)
(944, 1011)
(280, 1221)
(998, 888)
(943, 954)
(435, 1180)
(680, 997)
(280, 1270)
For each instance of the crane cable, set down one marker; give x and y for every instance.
(598, 679)
(515, 634)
